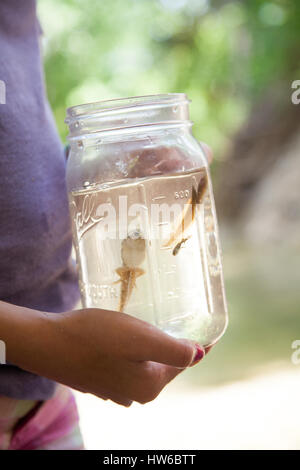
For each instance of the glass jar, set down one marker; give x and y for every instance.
(143, 215)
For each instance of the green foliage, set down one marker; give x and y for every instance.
(263, 300)
(222, 54)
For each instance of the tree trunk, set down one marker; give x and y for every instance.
(272, 125)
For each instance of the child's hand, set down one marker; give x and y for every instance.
(112, 355)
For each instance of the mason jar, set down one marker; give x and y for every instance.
(143, 215)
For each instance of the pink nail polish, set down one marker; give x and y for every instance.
(200, 353)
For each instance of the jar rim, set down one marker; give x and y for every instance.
(108, 106)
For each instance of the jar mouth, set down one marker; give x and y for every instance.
(120, 103)
(129, 112)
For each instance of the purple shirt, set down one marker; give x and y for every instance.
(35, 238)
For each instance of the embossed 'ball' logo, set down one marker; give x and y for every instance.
(86, 217)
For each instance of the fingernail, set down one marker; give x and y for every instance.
(199, 354)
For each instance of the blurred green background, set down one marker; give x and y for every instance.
(236, 60)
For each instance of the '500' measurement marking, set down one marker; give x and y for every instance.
(185, 193)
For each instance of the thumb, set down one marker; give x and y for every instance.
(158, 346)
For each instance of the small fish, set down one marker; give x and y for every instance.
(198, 195)
(128, 277)
(178, 246)
(133, 252)
(188, 213)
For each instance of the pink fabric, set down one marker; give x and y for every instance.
(49, 425)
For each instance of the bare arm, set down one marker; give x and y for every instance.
(109, 354)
